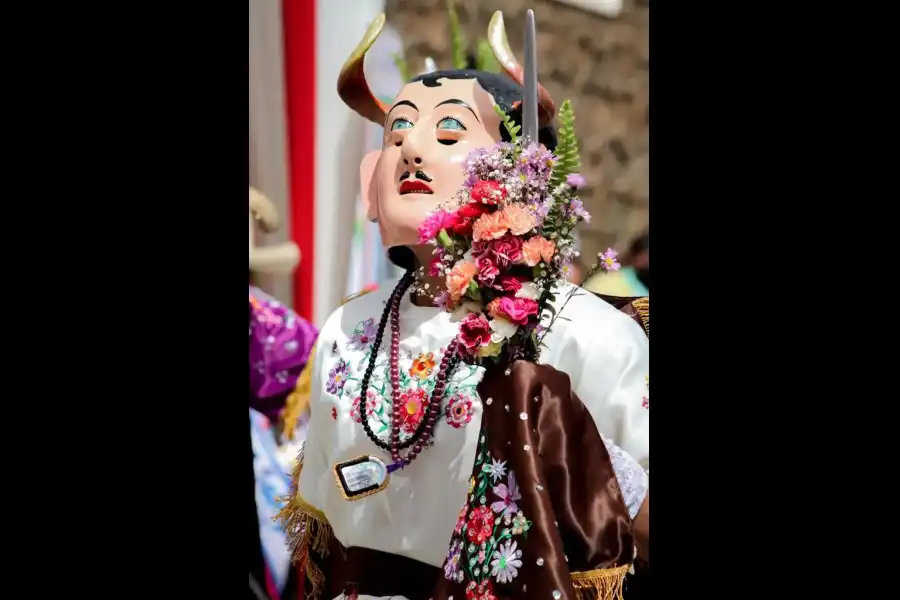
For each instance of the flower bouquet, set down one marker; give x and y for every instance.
(504, 242)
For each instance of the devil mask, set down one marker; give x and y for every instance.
(434, 123)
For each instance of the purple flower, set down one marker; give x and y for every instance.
(337, 377)
(576, 209)
(608, 260)
(575, 180)
(508, 496)
(441, 300)
(452, 564)
(363, 335)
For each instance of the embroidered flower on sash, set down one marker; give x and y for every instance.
(484, 547)
(507, 495)
(459, 411)
(480, 591)
(337, 377)
(481, 525)
(413, 403)
(423, 366)
(451, 567)
(506, 563)
(363, 335)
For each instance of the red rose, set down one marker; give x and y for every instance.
(487, 270)
(488, 192)
(463, 228)
(506, 250)
(508, 283)
(474, 332)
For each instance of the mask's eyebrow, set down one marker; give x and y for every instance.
(459, 102)
(404, 103)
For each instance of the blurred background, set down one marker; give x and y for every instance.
(305, 145)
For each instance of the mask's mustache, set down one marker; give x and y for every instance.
(419, 175)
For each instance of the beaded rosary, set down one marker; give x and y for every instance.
(423, 432)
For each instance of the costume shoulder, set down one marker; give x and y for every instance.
(636, 307)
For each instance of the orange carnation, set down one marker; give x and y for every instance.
(538, 248)
(490, 226)
(458, 279)
(519, 219)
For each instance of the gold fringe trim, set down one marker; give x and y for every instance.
(297, 402)
(600, 584)
(306, 528)
(642, 305)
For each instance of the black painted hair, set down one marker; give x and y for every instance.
(505, 91)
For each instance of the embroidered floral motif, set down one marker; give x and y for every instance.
(484, 549)
(480, 591)
(334, 413)
(337, 377)
(423, 366)
(363, 335)
(459, 411)
(645, 402)
(416, 390)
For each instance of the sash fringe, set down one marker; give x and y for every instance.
(306, 529)
(642, 305)
(297, 402)
(600, 584)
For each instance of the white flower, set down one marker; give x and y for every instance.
(496, 470)
(506, 563)
(503, 329)
(529, 290)
(462, 311)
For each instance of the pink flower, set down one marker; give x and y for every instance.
(517, 310)
(506, 250)
(487, 270)
(474, 332)
(519, 218)
(433, 223)
(488, 192)
(489, 226)
(508, 495)
(537, 249)
(608, 260)
(575, 180)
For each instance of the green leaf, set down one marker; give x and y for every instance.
(484, 59)
(511, 128)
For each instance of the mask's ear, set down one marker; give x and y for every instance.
(368, 187)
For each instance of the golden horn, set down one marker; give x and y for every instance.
(352, 86)
(503, 53)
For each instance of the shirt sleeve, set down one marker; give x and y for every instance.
(612, 381)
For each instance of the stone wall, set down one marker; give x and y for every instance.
(600, 64)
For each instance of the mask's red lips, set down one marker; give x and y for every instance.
(415, 187)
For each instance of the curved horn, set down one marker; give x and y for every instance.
(352, 86)
(504, 55)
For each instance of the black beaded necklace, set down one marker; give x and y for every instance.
(448, 363)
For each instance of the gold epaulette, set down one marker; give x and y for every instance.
(306, 528)
(297, 402)
(600, 584)
(354, 296)
(642, 306)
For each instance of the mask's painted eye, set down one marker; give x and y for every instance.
(451, 123)
(401, 123)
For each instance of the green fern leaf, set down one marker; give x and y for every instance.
(485, 60)
(511, 128)
(568, 160)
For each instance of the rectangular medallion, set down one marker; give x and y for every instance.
(361, 477)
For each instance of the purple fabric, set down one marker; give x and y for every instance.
(280, 343)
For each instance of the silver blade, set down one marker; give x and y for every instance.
(530, 81)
